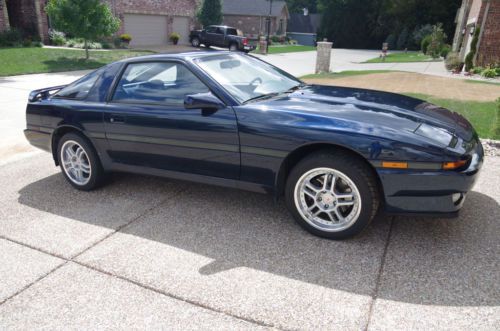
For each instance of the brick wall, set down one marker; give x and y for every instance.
(155, 7)
(251, 26)
(489, 47)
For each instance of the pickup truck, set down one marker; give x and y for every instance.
(220, 36)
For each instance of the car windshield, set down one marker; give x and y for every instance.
(247, 78)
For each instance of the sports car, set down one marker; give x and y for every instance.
(336, 155)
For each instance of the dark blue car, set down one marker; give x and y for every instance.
(338, 155)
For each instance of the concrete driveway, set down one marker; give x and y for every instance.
(145, 252)
(151, 253)
(304, 63)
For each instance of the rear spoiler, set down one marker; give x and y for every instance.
(44, 93)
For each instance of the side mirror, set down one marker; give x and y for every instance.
(203, 101)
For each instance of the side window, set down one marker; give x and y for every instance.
(211, 29)
(81, 88)
(157, 82)
(219, 31)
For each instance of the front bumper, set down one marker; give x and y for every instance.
(440, 193)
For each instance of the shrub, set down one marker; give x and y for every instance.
(497, 70)
(477, 70)
(426, 41)
(453, 61)
(174, 37)
(489, 73)
(275, 39)
(391, 41)
(117, 42)
(402, 39)
(469, 59)
(37, 44)
(445, 50)
(125, 38)
(420, 33)
(437, 41)
(106, 45)
(57, 38)
(11, 37)
(293, 42)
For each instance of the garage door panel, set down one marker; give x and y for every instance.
(181, 26)
(146, 29)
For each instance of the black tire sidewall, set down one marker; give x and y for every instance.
(343, 163)
(97, 172)
(192, 42)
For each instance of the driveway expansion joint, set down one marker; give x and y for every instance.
(146, 287)
(379, 273)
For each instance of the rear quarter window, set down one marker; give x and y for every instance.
(79, 89)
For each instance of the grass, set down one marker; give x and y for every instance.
(403, 57)
(348, 73)
(17, 61)
(484, 116)
(288, 49)
(471, 81)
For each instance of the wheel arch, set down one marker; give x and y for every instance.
(59, 132)
(301, 152)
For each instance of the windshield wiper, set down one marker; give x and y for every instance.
(295, 88)
(262, 96)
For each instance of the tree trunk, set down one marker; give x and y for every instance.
(86, 49)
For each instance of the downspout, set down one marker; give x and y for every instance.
(483, 24)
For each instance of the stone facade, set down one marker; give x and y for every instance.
(30, 17)
(253, 26)
(26, 15)
(168, 8)
(483, 14)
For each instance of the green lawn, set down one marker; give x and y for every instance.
(403, 57)
(288, 49)
(17, 61)
(484, 116)
(348, 73)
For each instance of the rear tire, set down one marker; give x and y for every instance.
(79, 162)
(233, 47)
(195, 42)
(342, 207)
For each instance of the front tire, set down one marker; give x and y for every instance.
(195, 42)
(332, 194)
(79, 162)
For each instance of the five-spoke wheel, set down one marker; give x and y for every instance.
(79, 162)
(332, 194)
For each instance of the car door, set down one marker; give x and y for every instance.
(147, 125)
(210, 36)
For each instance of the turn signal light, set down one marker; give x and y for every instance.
(395, 165)
(454, 165)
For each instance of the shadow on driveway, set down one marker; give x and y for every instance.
(438, 262)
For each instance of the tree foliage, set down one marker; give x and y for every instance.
(89, 19)
(210, 12)
(296, 6)
(368, 23)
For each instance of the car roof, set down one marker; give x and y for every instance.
(190, 55)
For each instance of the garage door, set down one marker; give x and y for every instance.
(181, 26)
(146, 29)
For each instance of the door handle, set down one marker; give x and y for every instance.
(117, 119)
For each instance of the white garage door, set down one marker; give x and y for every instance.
(146, 29)
(181, 26)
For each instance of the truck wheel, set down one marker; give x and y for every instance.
(233, 47)
(195, 42)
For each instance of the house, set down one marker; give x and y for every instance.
(250, 16)
(485, 15)
(303, 27)
(149, 22)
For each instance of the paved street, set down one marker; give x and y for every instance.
(150, 253)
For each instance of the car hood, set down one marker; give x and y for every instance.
(376, 109)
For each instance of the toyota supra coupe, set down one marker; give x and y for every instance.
(337, 155)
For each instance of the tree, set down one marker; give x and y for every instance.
(89, 19)
(210, 12)
(296, 6)
(437, 41)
